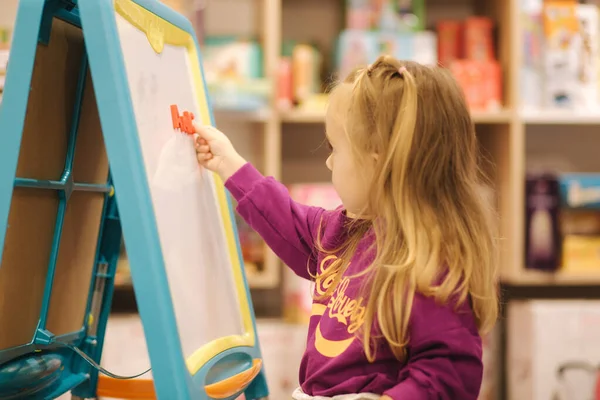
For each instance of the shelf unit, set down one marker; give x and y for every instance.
(501, 131)
(503, 134)
(281, 143)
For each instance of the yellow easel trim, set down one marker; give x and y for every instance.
(160, 32)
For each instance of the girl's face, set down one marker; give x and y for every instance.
(350, 178)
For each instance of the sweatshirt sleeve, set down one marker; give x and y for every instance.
(288, 228)
(444, 355)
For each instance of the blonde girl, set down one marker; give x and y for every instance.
(405, 271)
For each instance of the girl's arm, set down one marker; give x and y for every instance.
(287, 227)
(445, 355)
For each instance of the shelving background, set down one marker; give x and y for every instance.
(286, 144)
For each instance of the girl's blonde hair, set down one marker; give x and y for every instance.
(434, 228)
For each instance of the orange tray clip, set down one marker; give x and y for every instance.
(143, 389)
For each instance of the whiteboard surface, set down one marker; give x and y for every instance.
(188, 217)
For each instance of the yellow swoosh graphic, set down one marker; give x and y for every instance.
(328, 348)
(318, 309)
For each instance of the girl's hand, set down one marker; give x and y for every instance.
(215, 151)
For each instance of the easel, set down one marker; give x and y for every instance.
(66, 117)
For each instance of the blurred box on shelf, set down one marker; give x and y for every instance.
(298, 75)
(469, 39)
(563, 222)
(553, 352)
(250, 95)
(481, 82)
(360, 48)
(466, 47)
(306, 72)
(354, 49)
(531, 88)
(449, 41)
(581, 254)
(581, 240)
(285, 90)
(386, 15)
(229, 57)
(570, 69)
(478, 40)
(580, 190)
(543, 246)
(234, 76)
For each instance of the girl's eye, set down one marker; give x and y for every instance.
(329, 146)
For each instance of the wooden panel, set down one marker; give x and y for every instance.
(75, 262)
(563, 148)
(25, 259)
(51, 102)
(90, 164)
(32, 215)
(495, 141)
(500, 12)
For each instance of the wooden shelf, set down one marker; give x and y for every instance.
(492, 117)
(479, 117)
(560, 117)
(262, 115)
(540, 278)
(505, 133)
(318, 116)
(303, 116)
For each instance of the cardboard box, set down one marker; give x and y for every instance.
(553, 351)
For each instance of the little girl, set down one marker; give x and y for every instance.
(405, 270)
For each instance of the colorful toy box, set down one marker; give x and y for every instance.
(360, 48)
(571, 55)
(386, 15)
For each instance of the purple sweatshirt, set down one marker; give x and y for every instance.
(444, 351)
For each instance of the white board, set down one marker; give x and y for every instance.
(188, 217)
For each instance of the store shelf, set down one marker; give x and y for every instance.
(303, 116)
(560, 117)
(492, 117)
(540, 278)
(261, 115)
(318, 116)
